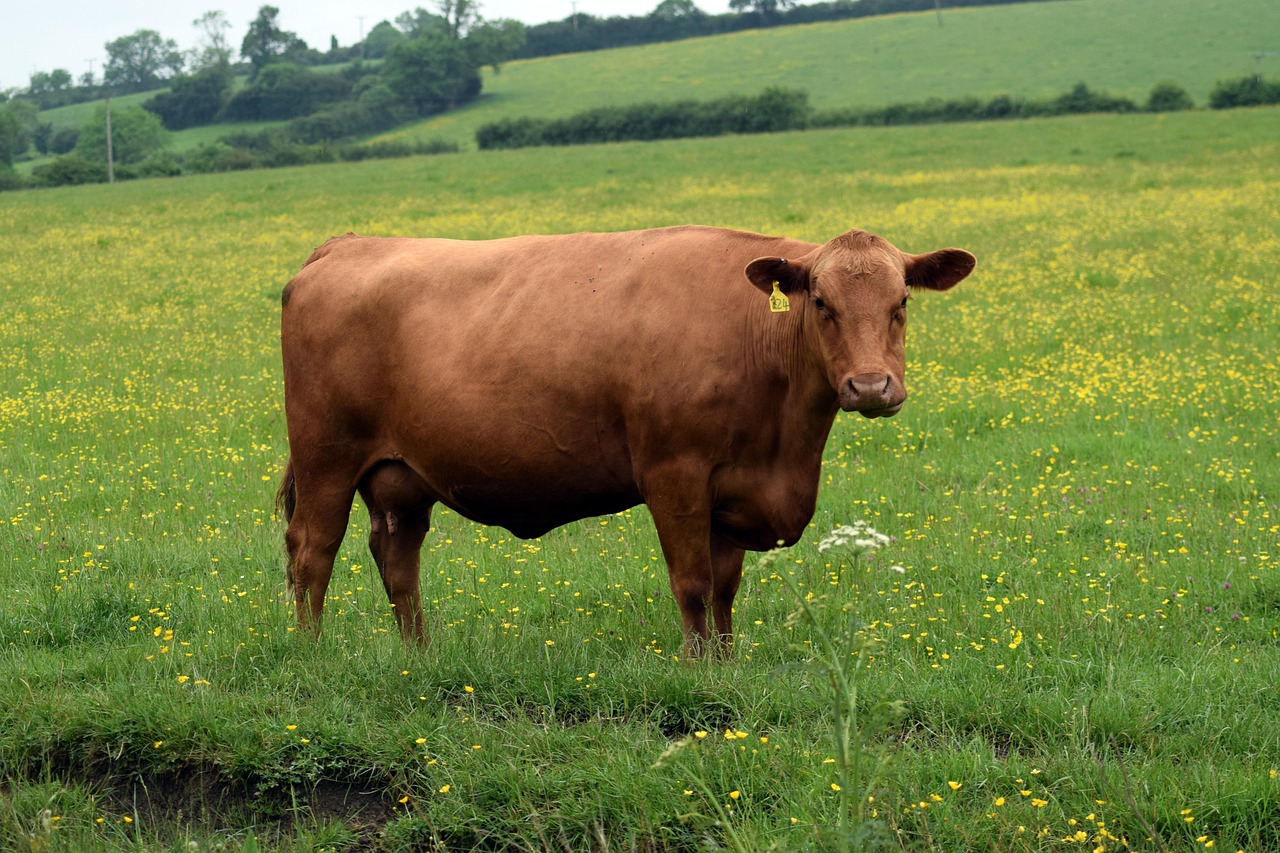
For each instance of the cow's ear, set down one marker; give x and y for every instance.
(791, 276)
(940, 270)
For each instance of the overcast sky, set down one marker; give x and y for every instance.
(70, 34)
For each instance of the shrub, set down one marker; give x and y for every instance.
(220, 157)
(1251, 91)
(430, 74)
(135, 135)
(11, 180)
(1168, 97)
(285, 91)
(775, 109)
(1082, 99)
(159, 165)
(192, 100)
(63, 140)
(69, 169)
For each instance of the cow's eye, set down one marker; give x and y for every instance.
(818, 303)
(904, 301)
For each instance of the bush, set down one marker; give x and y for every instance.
(69, 169)
(775, 109)
(391, 148)
(342, 120)
(376, 151)
(192, 100)
(1250, 91)
(1081, 99)
(135, 135)
(285, 91)
(63, 140)
(1168, 97)
(430, 74)
(220, 157)
(11, 180)
(159, 165)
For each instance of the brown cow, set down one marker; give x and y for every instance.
(531, 381)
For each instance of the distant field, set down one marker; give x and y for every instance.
(1082, 492)
(1031, 50)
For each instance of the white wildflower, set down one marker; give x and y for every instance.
(859, 538)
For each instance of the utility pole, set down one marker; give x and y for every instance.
(111, 166)
(360, 18)
(937, 7)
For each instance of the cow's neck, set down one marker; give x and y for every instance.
(786, 352)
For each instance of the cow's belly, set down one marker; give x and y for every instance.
(528, 475)
(531, 512)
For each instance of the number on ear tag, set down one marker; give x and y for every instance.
(778, 301)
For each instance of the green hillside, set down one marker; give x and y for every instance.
(1030, 50)
(1033, 50)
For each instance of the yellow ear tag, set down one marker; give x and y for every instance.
(778, 301)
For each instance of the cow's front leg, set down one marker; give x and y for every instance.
(726, 573)
(682, 517)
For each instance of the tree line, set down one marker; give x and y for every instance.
(778, 109)
(431, 65)
(672, 20)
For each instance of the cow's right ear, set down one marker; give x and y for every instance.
(790, 275)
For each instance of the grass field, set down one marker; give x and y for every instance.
(1082, 494)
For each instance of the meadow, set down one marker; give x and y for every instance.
(1079, 609)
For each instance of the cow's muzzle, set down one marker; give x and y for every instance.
(872, 395)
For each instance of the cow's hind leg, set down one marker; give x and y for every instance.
(317, 523)
(399, 517)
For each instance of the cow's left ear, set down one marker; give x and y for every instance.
(940, 270)
(791, 276)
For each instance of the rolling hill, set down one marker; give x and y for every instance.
(1032, 50)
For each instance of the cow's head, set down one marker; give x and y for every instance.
(852, 295)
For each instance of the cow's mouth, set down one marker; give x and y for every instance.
(887, 412)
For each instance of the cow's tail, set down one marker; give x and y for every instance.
(287, 494)
(286, 501)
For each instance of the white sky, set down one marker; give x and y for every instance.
(71, 34)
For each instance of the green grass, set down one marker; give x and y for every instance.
(1082, 491)
(1034, 50)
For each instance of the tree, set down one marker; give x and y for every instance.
(193, 99)
(766, 8)
(266, 43)
(10, 138)
(141, 61)
(135, 135)
(19, 121)
(381, 39)
(52, 82)
(213, 50)
(430, 74)
(459, 16)
(419, 22)
(673, 10)
(51, 89)
(494, 42)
